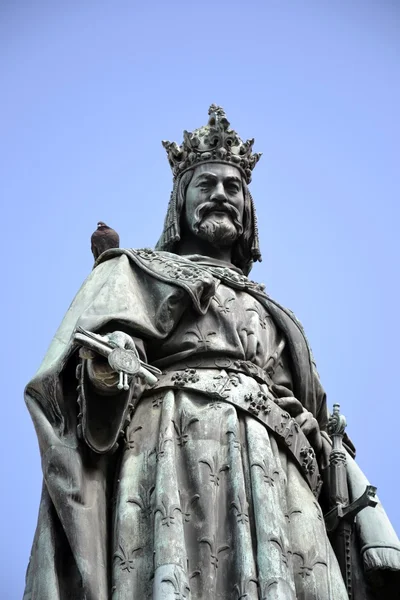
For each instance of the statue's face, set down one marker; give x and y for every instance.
(214, 204)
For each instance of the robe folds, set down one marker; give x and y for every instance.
(181, 491)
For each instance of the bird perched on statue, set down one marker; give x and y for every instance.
(103, 239)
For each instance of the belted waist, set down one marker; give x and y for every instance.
(234, 386)
(229, 364)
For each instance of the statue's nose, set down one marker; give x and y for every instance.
(218, 194)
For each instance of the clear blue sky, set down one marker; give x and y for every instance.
(88, 91)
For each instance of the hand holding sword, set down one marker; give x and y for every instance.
(120, 351)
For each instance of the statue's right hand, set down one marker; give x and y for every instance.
(120, 339)
(100, 373)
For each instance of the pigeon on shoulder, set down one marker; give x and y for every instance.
(103, 239)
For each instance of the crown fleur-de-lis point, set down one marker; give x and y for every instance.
(214, 142)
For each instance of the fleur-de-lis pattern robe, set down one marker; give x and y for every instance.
(199, 500)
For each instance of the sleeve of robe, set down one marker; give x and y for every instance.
(69, 552)
(376, 543)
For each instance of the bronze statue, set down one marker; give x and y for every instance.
(183, 427)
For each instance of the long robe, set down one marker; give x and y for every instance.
(180, 491)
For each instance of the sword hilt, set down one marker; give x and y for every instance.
(348, 512)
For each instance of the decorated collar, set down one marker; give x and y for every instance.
(193, 267)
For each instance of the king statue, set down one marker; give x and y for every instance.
(186, 444)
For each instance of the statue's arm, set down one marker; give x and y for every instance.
(143, 310)
(105, 408)
(117, 296)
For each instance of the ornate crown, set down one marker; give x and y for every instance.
(214, 142)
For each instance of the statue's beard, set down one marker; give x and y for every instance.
(220, 229)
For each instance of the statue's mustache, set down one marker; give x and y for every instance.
(208, 207)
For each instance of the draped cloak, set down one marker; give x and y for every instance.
(178, 492)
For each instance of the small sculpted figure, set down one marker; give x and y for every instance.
(209, 477)
(103, 239)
